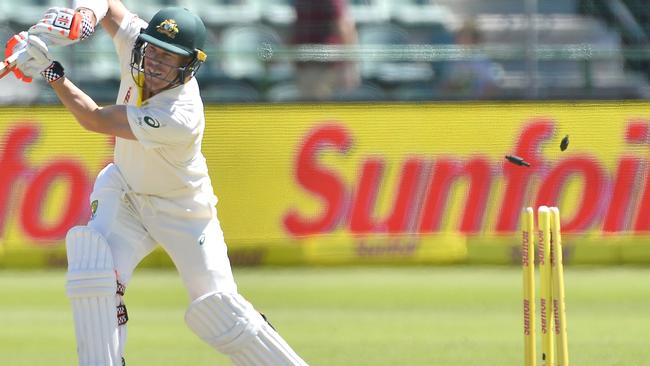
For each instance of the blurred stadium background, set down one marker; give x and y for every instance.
(401, 169)
(538, 49)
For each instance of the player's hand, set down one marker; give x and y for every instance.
(36, 57)
(62, 27)
(18, 44)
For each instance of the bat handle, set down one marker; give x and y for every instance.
(9, 63)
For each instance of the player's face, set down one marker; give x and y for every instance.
(161, 67)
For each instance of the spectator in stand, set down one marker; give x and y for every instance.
(476, 77)
(325, 22)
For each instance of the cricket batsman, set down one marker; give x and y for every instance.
(157, 190)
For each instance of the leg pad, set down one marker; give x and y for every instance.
(230, 324)
(91, 285)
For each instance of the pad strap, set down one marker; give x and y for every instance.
(122, 315)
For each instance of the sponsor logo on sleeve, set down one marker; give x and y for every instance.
(149, 121)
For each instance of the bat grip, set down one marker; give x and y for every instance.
(9, 63)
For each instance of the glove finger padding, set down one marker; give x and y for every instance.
(62, 27)
(38, 48)
(18, 44)
(51, 14)
(37, 57)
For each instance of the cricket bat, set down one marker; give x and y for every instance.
(9, 63)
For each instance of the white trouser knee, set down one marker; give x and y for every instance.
(230, 324)
(91, 285)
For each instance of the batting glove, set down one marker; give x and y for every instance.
(62, 27)
(37, 59)
(18, 44)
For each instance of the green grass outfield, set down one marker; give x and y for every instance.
(349, 316)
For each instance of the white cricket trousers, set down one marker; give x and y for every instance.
(187, 229)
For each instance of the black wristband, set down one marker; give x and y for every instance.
(53, 73)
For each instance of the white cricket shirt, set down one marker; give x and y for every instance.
(166, 159)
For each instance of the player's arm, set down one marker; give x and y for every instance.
(111, 120)
(112, 12)
(114, 16)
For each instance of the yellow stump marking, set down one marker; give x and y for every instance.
(528, 264)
